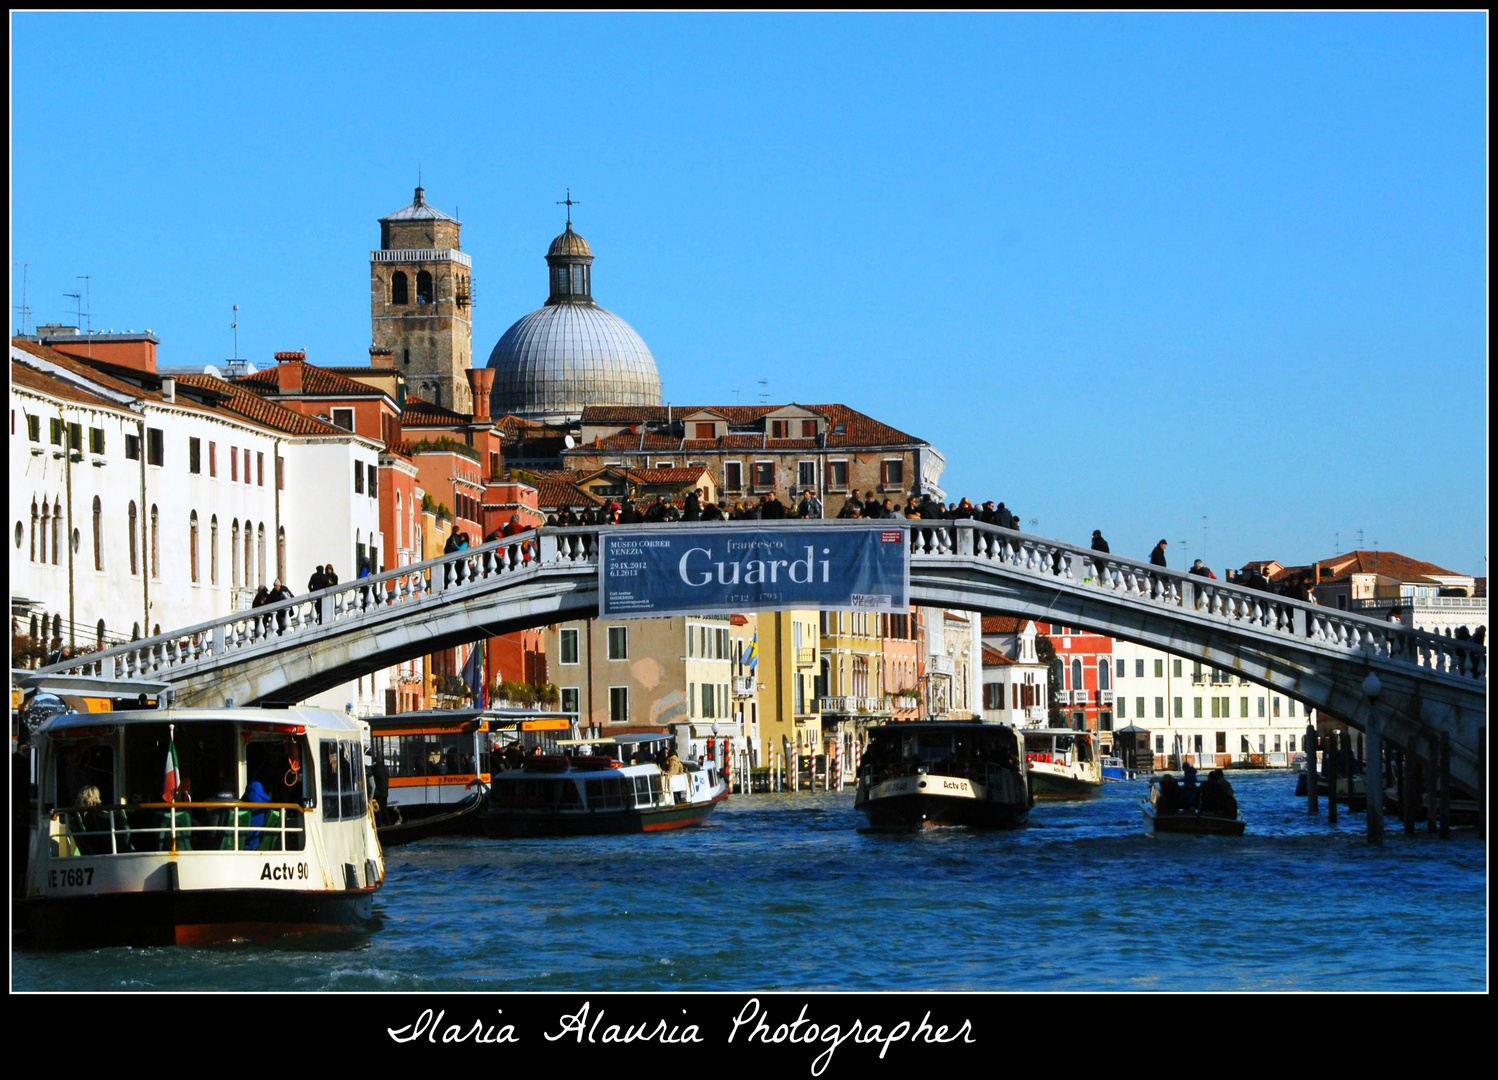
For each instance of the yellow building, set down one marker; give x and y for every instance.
(786, 680)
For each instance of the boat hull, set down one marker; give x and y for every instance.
(465, 818)
(515, 822)
(1191, 823)
(194, 918)
(1053, 784)
(929, 801)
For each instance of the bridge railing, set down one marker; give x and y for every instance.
(332, 610)
(1261, 611)
(326, 611)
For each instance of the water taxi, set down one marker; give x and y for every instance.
(1063, 763)
(623, 784)
(923, 773)
(433, 768)
(194, 826)
(1186, 808)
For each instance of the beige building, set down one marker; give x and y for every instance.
(831, 450)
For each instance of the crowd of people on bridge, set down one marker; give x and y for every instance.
(769, 507)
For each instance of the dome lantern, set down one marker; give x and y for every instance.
(571, 263)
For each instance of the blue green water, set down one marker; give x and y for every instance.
(782, 892)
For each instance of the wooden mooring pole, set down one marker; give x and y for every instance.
(1311, 775)
(1482, 783)
(1333, 759)
(1373, 775)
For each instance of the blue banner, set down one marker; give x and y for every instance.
(693, 569)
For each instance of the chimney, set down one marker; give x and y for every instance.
(168, 388)
(381, 357)
(289, 371)
(480, 381)
(130, 349)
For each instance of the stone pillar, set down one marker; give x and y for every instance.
(1373, 776)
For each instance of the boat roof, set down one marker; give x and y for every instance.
(1054, 731)
(324, 719)
(939, 725)
(610, 740)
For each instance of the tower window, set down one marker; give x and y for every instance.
(423, 287)
(398, 288)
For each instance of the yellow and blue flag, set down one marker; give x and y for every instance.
(751, 658)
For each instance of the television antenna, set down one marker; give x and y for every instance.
(1204, 538)
(22, 310)
(764, 391)
(88, 305)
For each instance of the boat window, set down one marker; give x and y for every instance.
(83, 763)
(328, 779)
(345, 781)
(207, 760)
(642, 791)
(275, 761)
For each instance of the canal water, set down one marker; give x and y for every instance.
(783, 892)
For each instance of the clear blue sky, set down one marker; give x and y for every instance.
(1127, 272)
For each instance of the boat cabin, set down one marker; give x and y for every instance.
(950, 749)
(1059, 746)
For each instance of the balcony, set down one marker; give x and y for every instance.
(743, 686)
(856, 706)
(1105, 697)
(1423, 603)
(939, 665)
(806, 656)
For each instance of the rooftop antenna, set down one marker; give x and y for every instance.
(77, 299)
(23, 310)
(1337, 542)
(88, 305)
(764, 391)
(1360, 539)
(569, 202)
(1204, 538)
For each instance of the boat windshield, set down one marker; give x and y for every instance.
(432, 754)
(942, 751)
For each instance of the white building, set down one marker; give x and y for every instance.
(1211, 715)
(1015, 682)
(143, 503)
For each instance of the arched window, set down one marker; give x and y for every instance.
(398, 288)
(249, 555)
(46, 523)
(423, 287)
(155, 542)
(1103, 673)
(261, 552)
(100, 629)
(135, 632)
(234, 554)
(20, 529)
(213, 550)
(56, 530)
(34, 531)
(400, 522)
(134, 541)
(98, 534)
(192, 545)
(281, 553)
(1076, 675)
(57, 626)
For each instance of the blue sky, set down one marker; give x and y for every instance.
(1127, 272)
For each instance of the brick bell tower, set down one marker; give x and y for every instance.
(421, 302)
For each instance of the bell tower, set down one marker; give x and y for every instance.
(421, 303)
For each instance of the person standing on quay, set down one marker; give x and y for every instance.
(1157, 557)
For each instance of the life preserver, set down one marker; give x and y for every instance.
(293, 761)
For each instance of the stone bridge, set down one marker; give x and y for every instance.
(1422, 684)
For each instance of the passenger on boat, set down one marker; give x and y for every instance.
(97, 822)
(255, 794)
(1189, 791)
(674, 767)
(1170, 794)
(1217, 796)
(381, 776)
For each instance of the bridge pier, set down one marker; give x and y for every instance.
(1333, 759)
(1432, 774)
(1445, 768)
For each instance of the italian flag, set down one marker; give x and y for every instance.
(169, 780)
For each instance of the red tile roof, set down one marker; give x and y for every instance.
(316, 382)
(859, 429)
(1002, 624)
(252, 406)
(1386, 563)
(419, 413)
(993, 658)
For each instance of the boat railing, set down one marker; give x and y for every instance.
(181, 828)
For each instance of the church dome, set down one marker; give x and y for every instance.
(570, 352)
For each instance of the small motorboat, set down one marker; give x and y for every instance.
(1062, 763)
(1186, 808)
(1114, 769)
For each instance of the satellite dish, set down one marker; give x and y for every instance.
(568, 441)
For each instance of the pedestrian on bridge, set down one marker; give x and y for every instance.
(1098, 543)
(1157, 557)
